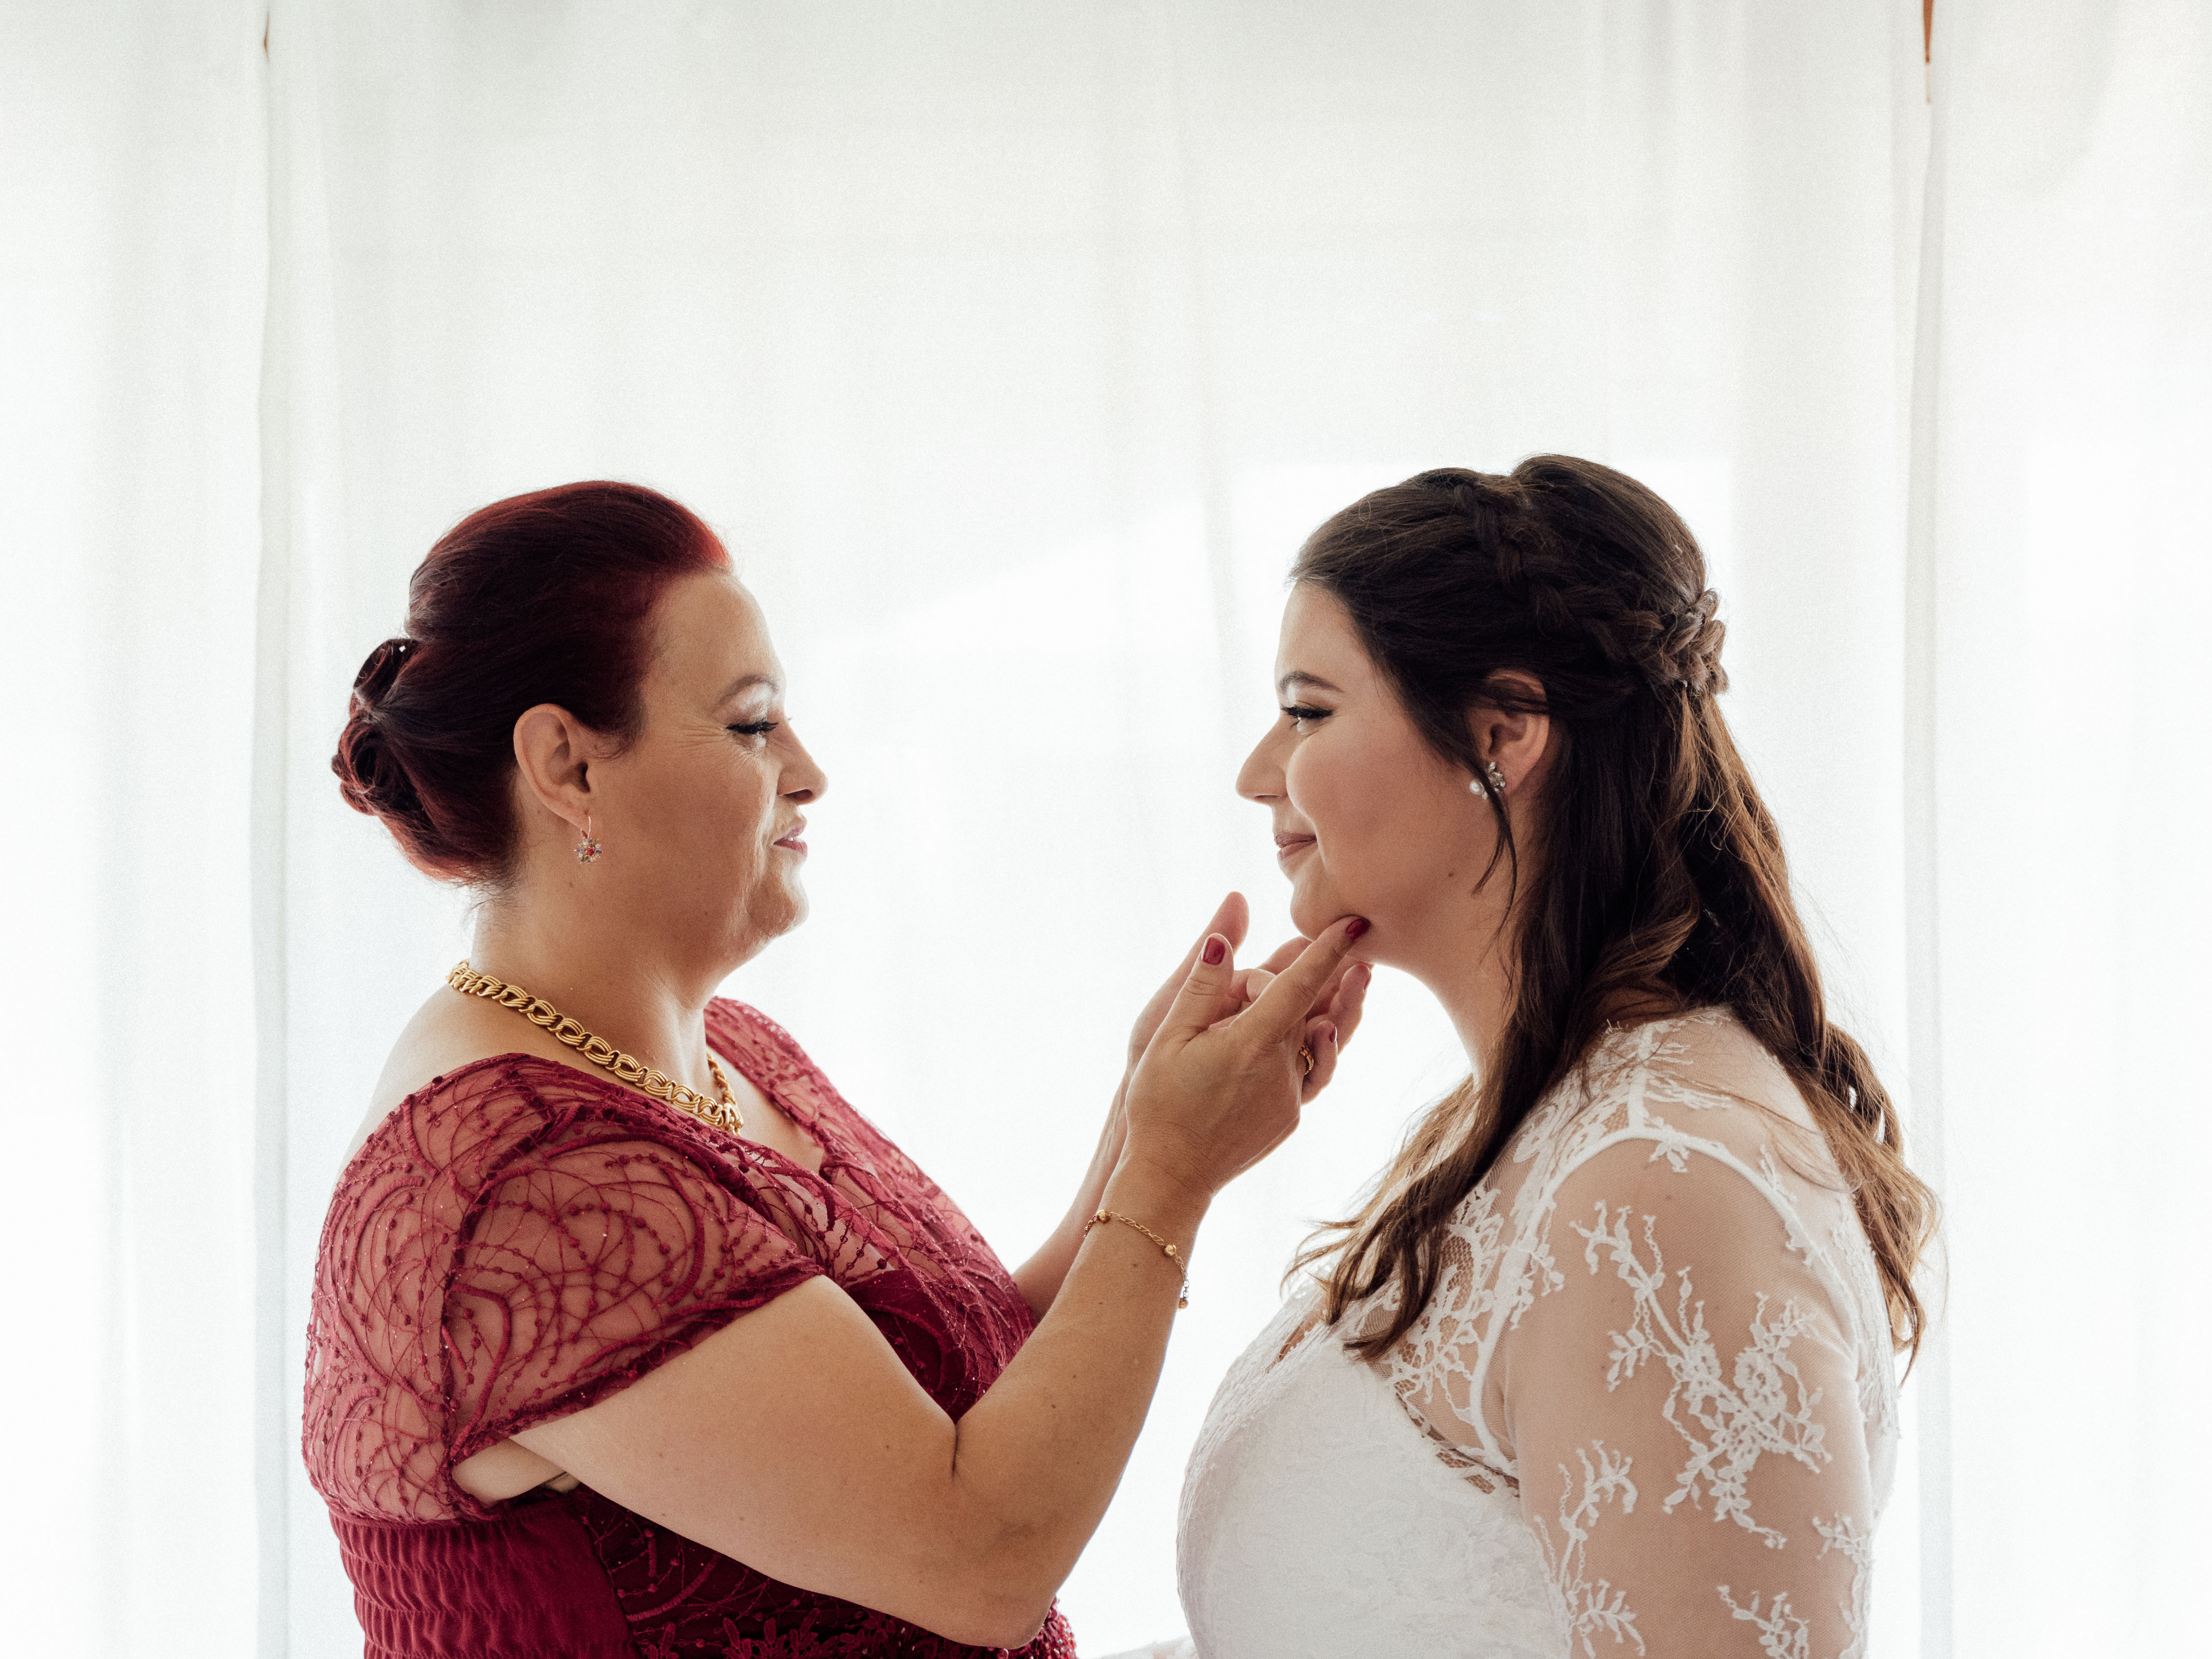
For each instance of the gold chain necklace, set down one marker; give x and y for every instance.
(723, 1114)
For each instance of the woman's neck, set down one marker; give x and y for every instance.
(1476, 989)
(1461, 951)
(603, 976)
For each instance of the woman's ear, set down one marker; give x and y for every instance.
(1516, 740)
(553, 753)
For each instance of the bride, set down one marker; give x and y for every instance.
(1605, 1363)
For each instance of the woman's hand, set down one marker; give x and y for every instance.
(1231, 921)
(1340, 1002)
(1219, 1085)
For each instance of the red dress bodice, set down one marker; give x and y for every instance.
(519, 1239)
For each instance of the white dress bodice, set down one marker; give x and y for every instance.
(1651, 1407)
(1309, 1474)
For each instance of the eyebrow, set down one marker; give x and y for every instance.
(1300, 677)
(745, 682)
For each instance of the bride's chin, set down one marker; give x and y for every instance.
(1309, 912)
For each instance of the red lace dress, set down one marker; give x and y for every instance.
(519, 1239)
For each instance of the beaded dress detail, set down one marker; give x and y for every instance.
(1651, 1407)
(519, 1239)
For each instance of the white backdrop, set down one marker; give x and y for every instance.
(1014, 348)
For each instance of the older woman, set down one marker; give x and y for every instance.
(630, 1335)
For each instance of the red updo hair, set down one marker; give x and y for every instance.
(542, 598)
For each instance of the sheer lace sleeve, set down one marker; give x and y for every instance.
(511, 1245)
(1683, 1404)
(591, 1257)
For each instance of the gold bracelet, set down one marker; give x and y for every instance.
(1182, 1299)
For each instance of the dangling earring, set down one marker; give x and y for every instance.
(588, 848)
(1497, 782)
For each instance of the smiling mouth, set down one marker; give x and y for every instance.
(1289, 847)
(790, 838)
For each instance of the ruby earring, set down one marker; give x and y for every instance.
(588, 850)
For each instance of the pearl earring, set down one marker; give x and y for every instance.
(588, 850)
(1496, 781)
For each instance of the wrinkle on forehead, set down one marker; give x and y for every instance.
(696, 635)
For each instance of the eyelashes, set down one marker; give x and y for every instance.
(756, 728)
(1301, 712)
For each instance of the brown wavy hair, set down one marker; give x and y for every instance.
(1657, 884)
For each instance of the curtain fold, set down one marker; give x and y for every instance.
(132, 252)
(2067, 419)
(1014, 349)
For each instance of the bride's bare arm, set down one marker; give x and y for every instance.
(795, 1440)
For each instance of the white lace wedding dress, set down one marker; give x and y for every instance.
(1651, 1408)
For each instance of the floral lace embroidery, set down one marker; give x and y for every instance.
(1743, 1372)
(1762, 1406)
(1689, 1108)
(1856, 1548)
(1782, 1635)
(1580, 1606)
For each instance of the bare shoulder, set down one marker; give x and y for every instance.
(446, 1033)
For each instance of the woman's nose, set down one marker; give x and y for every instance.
(803, 779)
(1260, 777)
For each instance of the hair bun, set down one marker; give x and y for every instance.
(371, 778)
(379, 669)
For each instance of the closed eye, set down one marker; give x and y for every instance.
(756, 728)
(1302, 713)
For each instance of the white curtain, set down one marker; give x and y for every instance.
(1014, 347)
(2061, 586)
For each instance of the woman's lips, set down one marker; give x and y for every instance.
(790, 839)
(1289, 847)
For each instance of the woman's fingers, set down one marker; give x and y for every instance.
(1208, 990)
(1289, 951)
(1350, 1000)
(1250, 983)
(1326, 1033)
(1323, 1041)
(1283, 1007)
(1230, 918)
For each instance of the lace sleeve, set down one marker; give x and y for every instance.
(1683, 1407)
(593, 1254)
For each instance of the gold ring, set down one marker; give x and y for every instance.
(1305, 1055)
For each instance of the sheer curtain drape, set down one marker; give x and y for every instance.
(1014, 348)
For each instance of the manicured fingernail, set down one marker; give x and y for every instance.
(1358, 927)
(1216, 948)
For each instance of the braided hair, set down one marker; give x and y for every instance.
(1659, 886)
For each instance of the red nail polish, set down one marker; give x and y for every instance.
(1358, 927)
(1216, 948)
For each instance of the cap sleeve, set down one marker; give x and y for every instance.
(1684, 1411)
(591, 1252)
